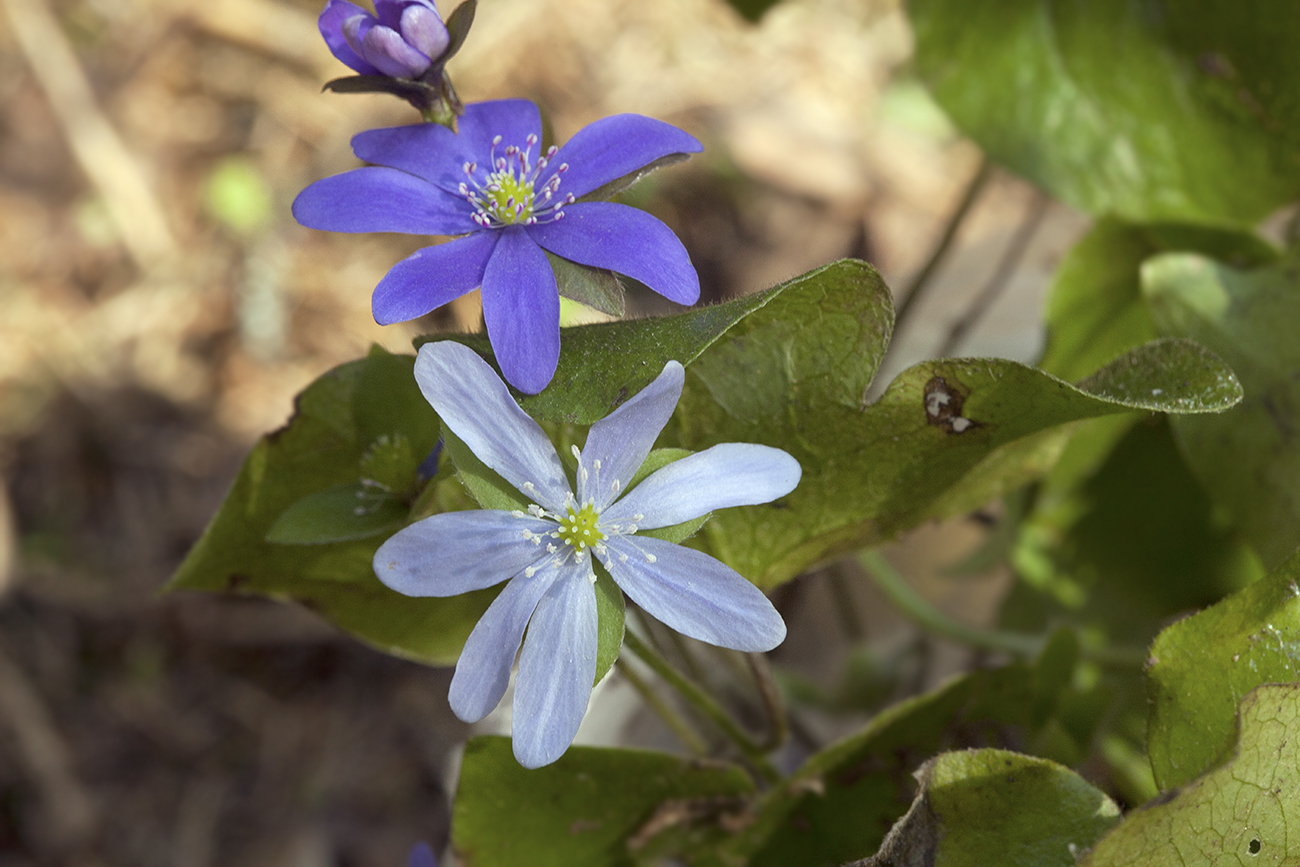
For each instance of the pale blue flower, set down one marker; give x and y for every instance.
(545, 553)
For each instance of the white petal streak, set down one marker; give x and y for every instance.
(694, 594)
(556, 668)
(483, 670)
(622, 439)
(730, 474)
(456, 552)
(473, 401)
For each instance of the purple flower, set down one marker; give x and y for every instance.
(545, 553)
(403, 40)
(511, 203)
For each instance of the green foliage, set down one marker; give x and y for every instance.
(1242, 813)
(1095, 309)
(787, 368)
(591, 807)
(842, 801)
(290, 474)
(1147, 110)
(1201, 665)
(983, 807)
(1249, 458)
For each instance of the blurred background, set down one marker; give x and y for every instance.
(159, 309)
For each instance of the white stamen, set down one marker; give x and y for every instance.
(650, 558)
(530, 571)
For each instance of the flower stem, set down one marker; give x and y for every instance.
(778, 725)
(925, 615)
(705, 704)
(687, 735)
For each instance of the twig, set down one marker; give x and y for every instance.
(72, 812)
(94, 142)
(916, 288)
(1007, 265)
(778, 724)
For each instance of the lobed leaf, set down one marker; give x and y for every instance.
(1242, 813)
(1199, 668)
(982, 807)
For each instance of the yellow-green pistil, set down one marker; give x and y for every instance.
(511, 199)
(579, 528)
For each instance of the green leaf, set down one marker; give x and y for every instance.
(1249, 458)
(1246, 812)
(594, 287)
(1149, 111)
(1095, 309)
(791, 376)
(603, 364)
(591, 807)
(343, 513)
(841, 802)
(338, 417)
(1200, 665)
(390, 463)
(982, 807)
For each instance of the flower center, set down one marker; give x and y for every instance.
(580, 528)
(511, 193)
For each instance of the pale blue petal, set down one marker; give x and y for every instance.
(556, 668)
(456, 552)
(521, 309)
(730, 474)
(473, 401)
(483, 670)
(622, 439)
(619, 238)
(692, 593)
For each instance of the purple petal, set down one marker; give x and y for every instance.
(729, 474)
(423, 30)
(473, 401)
(616, 146)
(556, 668)
(432, 277)
(376, 199)
(483, 670)
(390, 11)
(623, 239)
(437, 154)
(421, 856)
(331, 29)
(692, 593)
(622, 439)
(458, 552)
(388, 52)
(521, 307)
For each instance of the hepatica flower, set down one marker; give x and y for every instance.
(403, 40)
(511, 204)
(545, 553)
